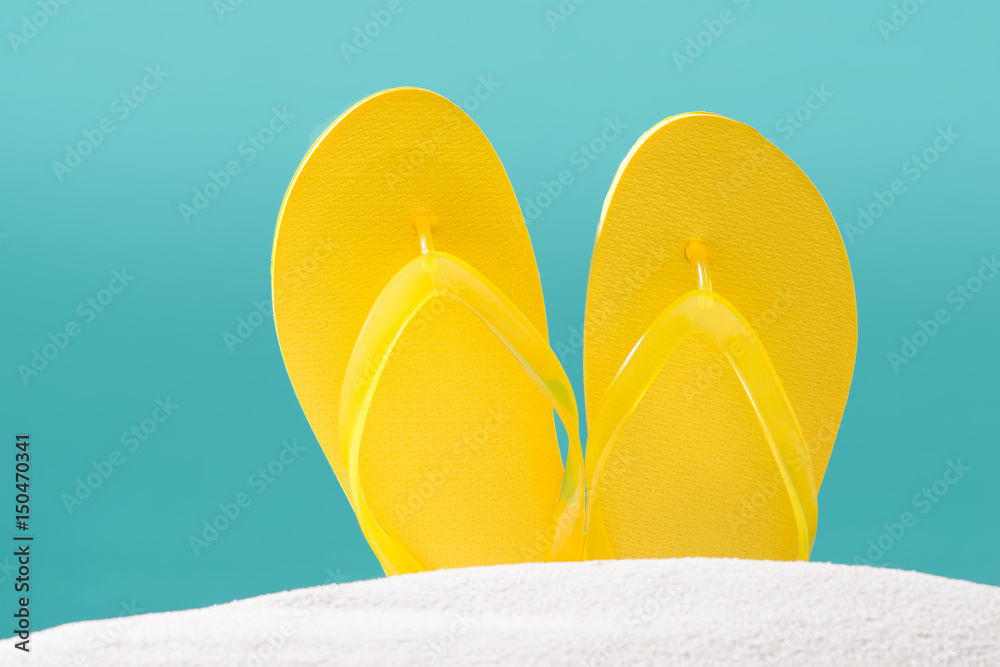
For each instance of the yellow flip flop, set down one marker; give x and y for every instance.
(410, 317)
(719, 345)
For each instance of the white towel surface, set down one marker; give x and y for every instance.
(654, 612)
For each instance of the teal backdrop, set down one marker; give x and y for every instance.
(138, 344)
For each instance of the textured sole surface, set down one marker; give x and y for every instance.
(692, 474)
(459, 459)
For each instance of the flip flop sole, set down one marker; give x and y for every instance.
(691, 473)
(459, 460)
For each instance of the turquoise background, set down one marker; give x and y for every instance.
(163, 335)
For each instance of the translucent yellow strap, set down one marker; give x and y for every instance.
(437, 274)
(704, 311)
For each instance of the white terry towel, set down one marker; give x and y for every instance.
(690, 611)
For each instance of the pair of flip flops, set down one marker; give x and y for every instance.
(718, 345)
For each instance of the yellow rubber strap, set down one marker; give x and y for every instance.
(439, 274)
(704, 311)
